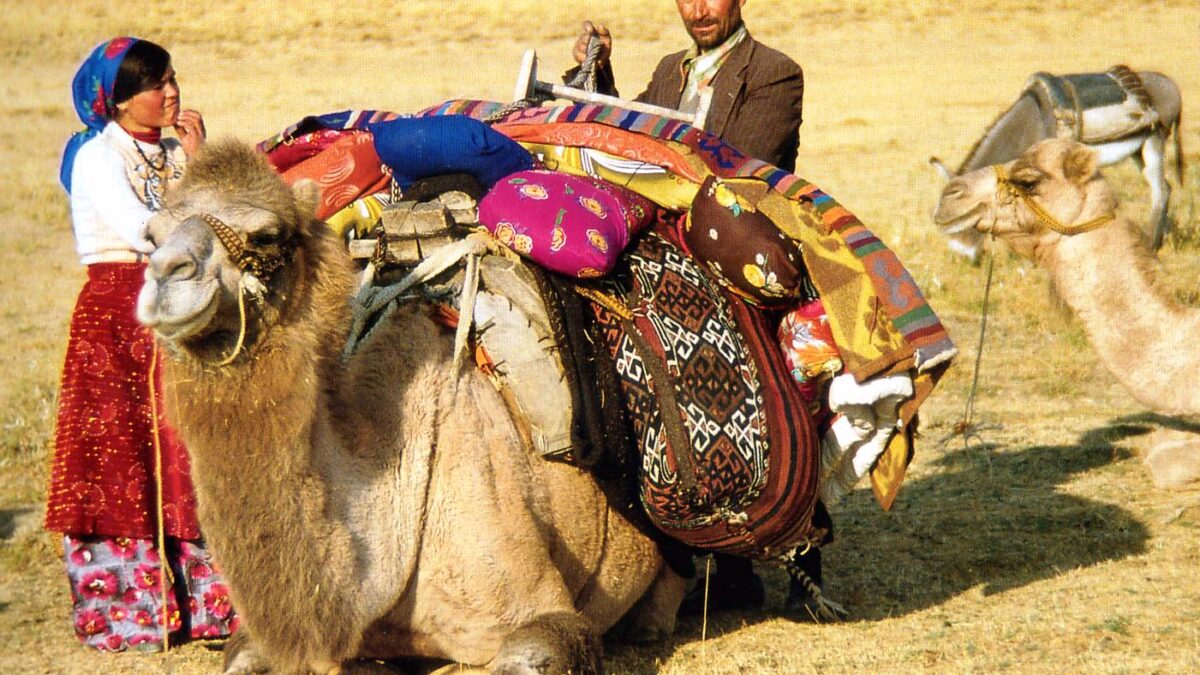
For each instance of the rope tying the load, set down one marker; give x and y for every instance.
(374, 303)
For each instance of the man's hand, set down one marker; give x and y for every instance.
(579, 51)
(190, 130)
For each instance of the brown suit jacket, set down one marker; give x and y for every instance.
(757, 100)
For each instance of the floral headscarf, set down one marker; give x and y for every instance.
(92, 91)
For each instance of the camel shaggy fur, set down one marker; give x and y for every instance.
(1052, 206)
(383, 507)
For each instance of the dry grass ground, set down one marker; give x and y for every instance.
(1039, 547)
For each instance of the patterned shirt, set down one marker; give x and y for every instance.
(699, 69)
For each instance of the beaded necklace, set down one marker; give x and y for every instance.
(156, 179)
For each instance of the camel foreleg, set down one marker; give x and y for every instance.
(242, 656)
(652, 619)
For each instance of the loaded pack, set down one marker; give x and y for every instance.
(651, 303)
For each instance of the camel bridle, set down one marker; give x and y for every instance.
(262, 265)
(256, 267)
(1045, 217)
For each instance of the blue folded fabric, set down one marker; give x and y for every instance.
(419, 147)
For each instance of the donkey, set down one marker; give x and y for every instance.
(1034, 117)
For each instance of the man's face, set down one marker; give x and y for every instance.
(709, 22)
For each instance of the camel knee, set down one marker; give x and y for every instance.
(550, 644)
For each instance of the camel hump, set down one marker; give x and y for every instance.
(1095, 107)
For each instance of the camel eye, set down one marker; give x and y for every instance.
(1025, 176)
(263, 238)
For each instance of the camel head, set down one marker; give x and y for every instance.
(968, 243)
(1051, 191)
(232, 245)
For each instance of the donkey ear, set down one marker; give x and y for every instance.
(1080, 164)
(308, 195)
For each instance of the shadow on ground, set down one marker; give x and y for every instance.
(18, 519)
(990, 516)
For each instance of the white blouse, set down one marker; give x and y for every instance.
(117, 183)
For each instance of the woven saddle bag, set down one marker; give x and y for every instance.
(729, 452)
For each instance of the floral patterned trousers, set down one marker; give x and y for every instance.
(116, 588)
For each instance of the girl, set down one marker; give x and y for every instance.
(120, 491)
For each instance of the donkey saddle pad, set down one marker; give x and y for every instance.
(1095, 107)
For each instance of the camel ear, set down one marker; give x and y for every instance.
(1080, 165)
(308, 195)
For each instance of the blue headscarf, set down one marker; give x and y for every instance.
(92, 90)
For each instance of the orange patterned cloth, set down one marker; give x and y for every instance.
(619, 142)
(102, 477)
(347, 169)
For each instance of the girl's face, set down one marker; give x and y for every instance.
(153, 108)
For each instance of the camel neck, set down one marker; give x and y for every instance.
(251, 429)
(1143, 338)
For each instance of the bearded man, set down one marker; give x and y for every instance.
(743, 91)
(751, 97)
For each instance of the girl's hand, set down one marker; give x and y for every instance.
(190, 130)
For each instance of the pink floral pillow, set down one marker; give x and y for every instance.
(568, 224)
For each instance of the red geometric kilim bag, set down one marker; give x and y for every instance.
(729, 452)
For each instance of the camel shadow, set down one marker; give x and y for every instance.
(986, 519)
(987, 516)
(1147, 421)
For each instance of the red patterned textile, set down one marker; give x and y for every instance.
(347, 169)
(102, 477)
(614, 141)
(729, 452)
(292, 151)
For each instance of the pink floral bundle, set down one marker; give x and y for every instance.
(568, 224)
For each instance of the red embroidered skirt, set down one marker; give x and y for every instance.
(102, 480)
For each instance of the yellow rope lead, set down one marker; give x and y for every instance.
(237, 348)
(164, 563)
(1042, 214)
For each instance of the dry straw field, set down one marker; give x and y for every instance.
(1041, 546)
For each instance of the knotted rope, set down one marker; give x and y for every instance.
(586, 77)
(825, 608)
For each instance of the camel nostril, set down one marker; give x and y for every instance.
(179, 269)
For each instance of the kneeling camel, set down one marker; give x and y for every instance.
(382, 507)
